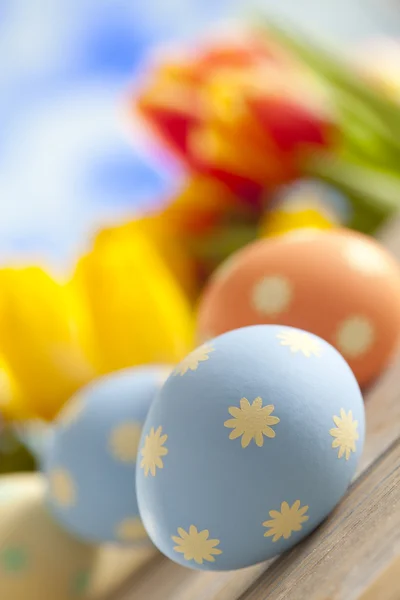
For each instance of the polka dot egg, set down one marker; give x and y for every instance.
(38, 559)
(340, 285)
(250, 444)
(91, 461)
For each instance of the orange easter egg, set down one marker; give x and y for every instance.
(339, 285)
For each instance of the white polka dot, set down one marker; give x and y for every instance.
(124, 441)
(62, 488)
(271, 295)
(130, 530)
(355, 336)
(365, 258)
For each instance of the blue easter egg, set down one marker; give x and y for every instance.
(91, 461)
(250, 444)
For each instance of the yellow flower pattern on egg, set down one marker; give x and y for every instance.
(345, 434)
(284, 522)
(251, 421)
(196, 545)
(192, 360)
(298, 341)
(124, 441)
(153, 451)
(62, 488)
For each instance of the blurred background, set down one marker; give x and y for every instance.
(69, 157)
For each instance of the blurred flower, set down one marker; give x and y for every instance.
(198, 208)
(198, 228)
(137, 310)
(12, 405)
(239, 111)
(194, 212)
(305, 204)
(169, 246)
(122, 307)
(42, 339)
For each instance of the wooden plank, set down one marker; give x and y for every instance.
(387, 584)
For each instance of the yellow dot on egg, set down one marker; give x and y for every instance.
(130, 530)
(124, 441)
(62, 488)
(355, 336)
(272, 295)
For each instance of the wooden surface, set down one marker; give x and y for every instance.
(354, 555)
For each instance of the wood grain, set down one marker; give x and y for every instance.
(348, 557)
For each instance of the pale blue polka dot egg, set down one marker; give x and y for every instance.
(91, 462)
(250, 444)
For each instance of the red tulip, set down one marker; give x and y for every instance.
(241, 112)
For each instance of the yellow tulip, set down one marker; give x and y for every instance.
(42, 339)
(170, 246)
(139, 313)
(305, 204)
(282, 221)
(186, 221)
(12, 406)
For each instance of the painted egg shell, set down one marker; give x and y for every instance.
(340, 285)
(250, 444)
(38, 559)
(91, 461)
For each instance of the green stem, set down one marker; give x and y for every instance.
(338, 72)
(375, 194)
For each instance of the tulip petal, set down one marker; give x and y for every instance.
(139, 312)
(40, 339)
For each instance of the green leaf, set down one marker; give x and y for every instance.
(332, 67)
(375, 195)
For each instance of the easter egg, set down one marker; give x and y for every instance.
(91, 461)
(340, 285)
(38, 559)
(250, 444)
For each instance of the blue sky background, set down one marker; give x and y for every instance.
(70, 159)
